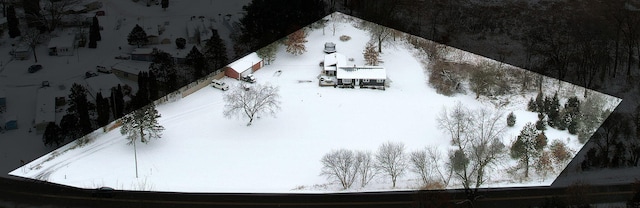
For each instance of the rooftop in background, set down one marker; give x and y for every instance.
(103, 84)
(245, 62)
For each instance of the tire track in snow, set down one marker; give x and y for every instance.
(86, 150)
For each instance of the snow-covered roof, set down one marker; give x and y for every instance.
(199, 26)
(132, 67)
(45, 105)
(61, 42)
(151, 31)
(142, 51)
(174, 51)
(244, 63)
(331, 61)
(361, 72)
(103, 84)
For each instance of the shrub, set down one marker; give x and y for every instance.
(511, 119)
(345, 38)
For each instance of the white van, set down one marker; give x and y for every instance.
(219, 84)
(103, 69)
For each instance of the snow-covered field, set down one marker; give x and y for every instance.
(201, 151)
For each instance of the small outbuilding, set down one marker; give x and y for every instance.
(10, 123)
(61, 46)
(244, 66)
(142, 54)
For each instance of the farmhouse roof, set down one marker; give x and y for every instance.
(244, 63)
(361, 72)
(331, 61)
(103, 84)
(142, 51)
(46, 105)
(132, 67)
(61, 42)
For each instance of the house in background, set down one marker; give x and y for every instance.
(103, 84)
(61, 46)
(142, 54)
(129, 69)
(244, 66)
(45, 109)
(362, 76)
(22, 52)
(199, 30)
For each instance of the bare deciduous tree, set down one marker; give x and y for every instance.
(251, 100)
(340, 165)
(419, 165)
(32, 38)
(390, 160)
(366, 167)
(476, 137)
(55, 11)
(379, 33)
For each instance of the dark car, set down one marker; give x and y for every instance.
(35, 68)
(90, 74)
(104, 192)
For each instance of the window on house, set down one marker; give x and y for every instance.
(380, 80)
(365, 80)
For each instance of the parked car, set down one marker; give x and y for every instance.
(104, 192)
(103, 69)
(90, 74)
(35, 68)
(220, 85)
(249, 78)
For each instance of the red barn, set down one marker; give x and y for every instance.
(244, 66)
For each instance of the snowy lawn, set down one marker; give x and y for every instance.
(201, 151)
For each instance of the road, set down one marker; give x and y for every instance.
(39, 193)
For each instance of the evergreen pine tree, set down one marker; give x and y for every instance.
(180, 43)
(93, 37)
(541, 124)
(215, 52)
(553, 112)
(154, 92)
(547, 105)
(96, 24)
(80, 106)
(525, 148)
(539, 102)
(137, 37)
(52, 135)
(69, 127)
(12, 22)
(532, 105)
(165, 4)
(118, 101)
(196, 61)
(102, 108)
(511, 119)
(165, 70)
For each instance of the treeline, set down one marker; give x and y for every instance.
(594, 44)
